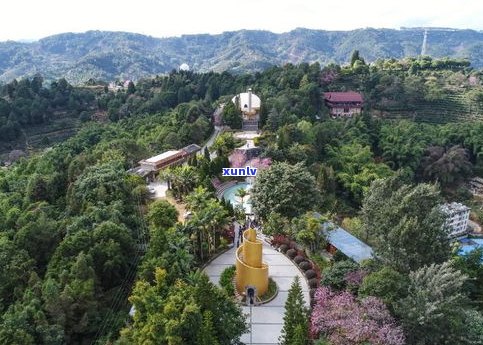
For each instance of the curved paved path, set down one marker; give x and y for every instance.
(267, 319)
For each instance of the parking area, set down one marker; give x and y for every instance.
(158, 189)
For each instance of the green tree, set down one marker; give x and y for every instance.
(209, 217)
(401, 220)
(162, 214)
(14, 271)
(296, 318)
(25, 321)
(184, 180)
(37, 189)
(224, 144)
(446, 166)
(470, 264)
(76, 304)
(286, 189)
(111, 253)
(39, 238)
(276, 224)
(403, 144)
(335, 275)
(198, 199)
(387, 284)
(183, 313)
(355, 57)
(206, 334)
(232, 115)
(241, 193)
(206, 154)
(99, 184)
(307, 230)
(131, 88)
(434, 310)
(356, 168)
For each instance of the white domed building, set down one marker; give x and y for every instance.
(184, 67)
(249, 104)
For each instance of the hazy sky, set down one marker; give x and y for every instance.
(33, 19)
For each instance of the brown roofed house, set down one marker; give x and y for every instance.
(343, 104)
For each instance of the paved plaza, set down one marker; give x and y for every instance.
(267, 319)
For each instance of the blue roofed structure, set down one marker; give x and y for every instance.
(349, 244)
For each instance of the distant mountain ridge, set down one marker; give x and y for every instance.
(109, 55)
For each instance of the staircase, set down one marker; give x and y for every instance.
(250, 125)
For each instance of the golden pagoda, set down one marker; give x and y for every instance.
(250, 270)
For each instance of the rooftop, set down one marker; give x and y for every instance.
(348, 244)
(244, 100)
(191, 148)
(349, 96)
(162, 156)
(454, 207)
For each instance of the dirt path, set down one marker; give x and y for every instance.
(180, 207)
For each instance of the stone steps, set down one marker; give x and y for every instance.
(250, 125)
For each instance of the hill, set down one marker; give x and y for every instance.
(111, 55)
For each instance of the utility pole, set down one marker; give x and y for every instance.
(425, 42)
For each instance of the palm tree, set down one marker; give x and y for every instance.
(183, 179)
(196, 200)
(209, 216)
(241, 193)
(217, 217)
(167, 174)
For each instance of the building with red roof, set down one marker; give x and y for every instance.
(343, 104)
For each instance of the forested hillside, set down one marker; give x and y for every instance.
(34, 114)
(117, 55)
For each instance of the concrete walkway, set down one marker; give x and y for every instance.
(267, 319)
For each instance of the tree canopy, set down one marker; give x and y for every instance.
(285, 189)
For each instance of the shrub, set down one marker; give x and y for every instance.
(313, 283)
(312, 293)
(283, 248)
(320, 260)
(298, 259)
(226, 280)
(271, 291)
(291, 253)
(335, 275)
(310, 274)
(305, 265)
(279, 240)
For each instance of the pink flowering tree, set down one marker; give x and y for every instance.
(328, 75)
(260, 163)
(237, 159)
(343, 320)
(353, 279)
